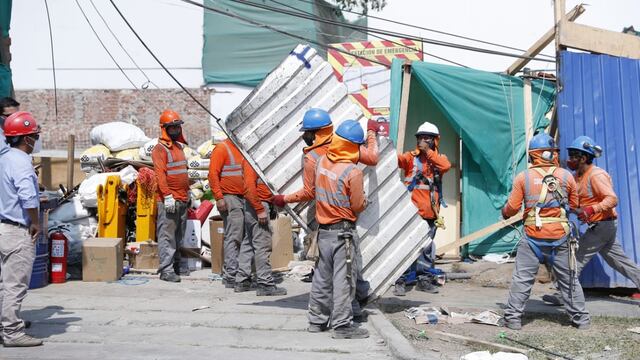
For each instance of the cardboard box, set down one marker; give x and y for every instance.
(216, 229)
(144, 255)
(102, 259)
(193, 235)
(282, 251)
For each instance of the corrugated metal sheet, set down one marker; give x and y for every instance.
(600, 98)
(265, 127)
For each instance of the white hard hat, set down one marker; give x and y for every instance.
(428, 128)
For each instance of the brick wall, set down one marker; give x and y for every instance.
(80, 110)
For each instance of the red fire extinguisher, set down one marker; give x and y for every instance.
(58, 253)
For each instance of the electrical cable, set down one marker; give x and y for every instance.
(162, 65)
(382, 32)
(144, 86)
(382, 38)
(421, 27)
(104, 46)
(53, 62)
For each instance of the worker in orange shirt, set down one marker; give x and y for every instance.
(423, 170)
(597, 209)
(227, 185)
(340, 197)
(257, 241)
(549, 193)
(170, 166)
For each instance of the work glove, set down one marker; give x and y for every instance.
(278, 200)
(170, 204)
(585, 213)
(221, 205)
(372, 125)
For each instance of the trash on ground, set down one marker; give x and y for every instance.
(201, 308)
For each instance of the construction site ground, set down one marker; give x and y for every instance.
(544, 326)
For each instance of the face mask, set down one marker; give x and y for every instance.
(573, 163)
(174, 134)
(308, 137)
(35, 145)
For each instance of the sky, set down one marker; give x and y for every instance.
(174, 31)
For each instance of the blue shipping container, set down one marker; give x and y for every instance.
(600, 98)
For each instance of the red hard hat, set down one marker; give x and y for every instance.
(170, 117)
(20, 123)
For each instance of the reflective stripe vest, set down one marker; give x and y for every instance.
(541, 207)
(225, 170)
(332, 196)
(231, 167)
(588, 198)
(176, 177)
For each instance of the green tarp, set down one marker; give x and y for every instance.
(254, 51)
(486, 111)
(5, 81)
(5, 17)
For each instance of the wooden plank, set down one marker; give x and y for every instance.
(404, 106)
(45, 173)
(528, 112)
(480, 233)
(71, 147)
(543, 42)
(600, 41)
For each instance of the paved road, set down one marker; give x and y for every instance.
(145, 318)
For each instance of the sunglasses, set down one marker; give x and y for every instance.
(575, 153)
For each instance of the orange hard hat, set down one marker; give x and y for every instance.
(20, 123)
(170, 117)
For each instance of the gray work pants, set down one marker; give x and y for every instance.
(601, 238)
(17, 254)
(362, 286)
(233, 220)
(332, 292)
(256, 243)
(524, 274)
(170, 228)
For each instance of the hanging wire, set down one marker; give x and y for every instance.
(145, 85)
(53, 61)
(420, 27)
(380, 38)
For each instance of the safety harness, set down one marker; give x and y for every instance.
(420, 182)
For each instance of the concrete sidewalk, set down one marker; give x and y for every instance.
(145, 318)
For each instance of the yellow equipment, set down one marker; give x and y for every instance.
(145, 214)
(112, 212)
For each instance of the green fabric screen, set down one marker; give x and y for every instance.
(5, 17)
(486, 111)
(5, 81)
(255, 50)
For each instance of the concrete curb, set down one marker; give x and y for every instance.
(400, 347)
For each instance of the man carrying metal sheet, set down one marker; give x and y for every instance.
(227, 185)
(597, 209)
(257, 242)
(339, 198)
(549, 193)
(170, 166)
(423, 170)
(19, 224)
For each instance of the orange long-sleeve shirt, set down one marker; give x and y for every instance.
(527, 187)
(595, 188)
(368, 156)
(332, 205)
(255, 191)
(170, 167)
(225, 170)
(421, 197)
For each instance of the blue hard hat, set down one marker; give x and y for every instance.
(542, 141)
(315, 119)
(586, 145)
(352, 131)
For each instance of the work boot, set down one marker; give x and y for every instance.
(350, 332)
(270, 290)
(400, 289)
(170, 277)
(585, 326)
(553, 300)
(362, 317)
(316, 328)
(426, 284)
(23, 341)
(229, 284)
(510, 324)
(242, 286)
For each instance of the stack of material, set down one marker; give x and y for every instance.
(112, 140)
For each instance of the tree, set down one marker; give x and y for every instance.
(364, 5)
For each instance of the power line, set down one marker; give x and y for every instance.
(325, 46)
(162, 65)
(422, 28)
(384, 32)
(144, 86)
(385, 39)
(53, 62)
(104, 46)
